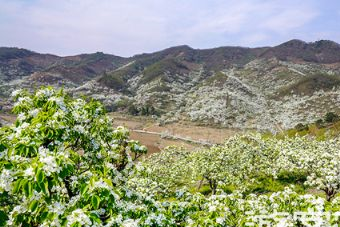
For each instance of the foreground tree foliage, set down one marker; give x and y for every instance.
(63, 164)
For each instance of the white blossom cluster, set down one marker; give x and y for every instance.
(63, 164)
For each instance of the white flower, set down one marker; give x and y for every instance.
(6, 179)
(100, 184)
(16, 92)
(57, 208)
(49, 161)
(78, 216)
(42, 93)
(212, 208)
(21, 117)
(130, 223)
(34, 112)
(220, 220)
(79, 128)
(29, 172)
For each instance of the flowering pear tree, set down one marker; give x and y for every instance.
(239, 161)
(319, 160)
(63, 164)
(164, 172)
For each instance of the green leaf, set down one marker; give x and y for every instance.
(17, 186)
(33, 206)
(2, 147)
(27, 151)
(43, 216)
(40, 176)
(95, 201)
(28, 189)
(109, 182)
(50, 134)
(94, 217)
(3, 218)
(84, 189)
(46, 191)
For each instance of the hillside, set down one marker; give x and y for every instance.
(266, 88)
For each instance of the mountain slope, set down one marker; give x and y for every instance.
(264, 88)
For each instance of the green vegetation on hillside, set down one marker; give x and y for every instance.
(12, 53)
(118, 78)
(218, 79)
(310, 84)
(323, 128)
(158, 69)
(114, 80)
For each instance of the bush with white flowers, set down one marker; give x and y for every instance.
(240, 162)
(242, 159)
(63, 164)
(163, 173)
(319, 160)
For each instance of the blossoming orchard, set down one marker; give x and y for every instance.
(62, 163)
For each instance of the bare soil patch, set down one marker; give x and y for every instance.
(181, 129)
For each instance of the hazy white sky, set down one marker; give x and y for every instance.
(128, 27)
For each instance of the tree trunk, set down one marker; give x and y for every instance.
(213, 186)
(330, 193)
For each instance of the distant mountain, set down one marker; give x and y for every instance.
(322, 51)
(265, 88)
(17, 63)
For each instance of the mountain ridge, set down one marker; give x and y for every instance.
(318, 42)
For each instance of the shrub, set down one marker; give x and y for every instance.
(133, 110)
(331, 117)
(63, 164)
(301, 127)
(319, 123)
